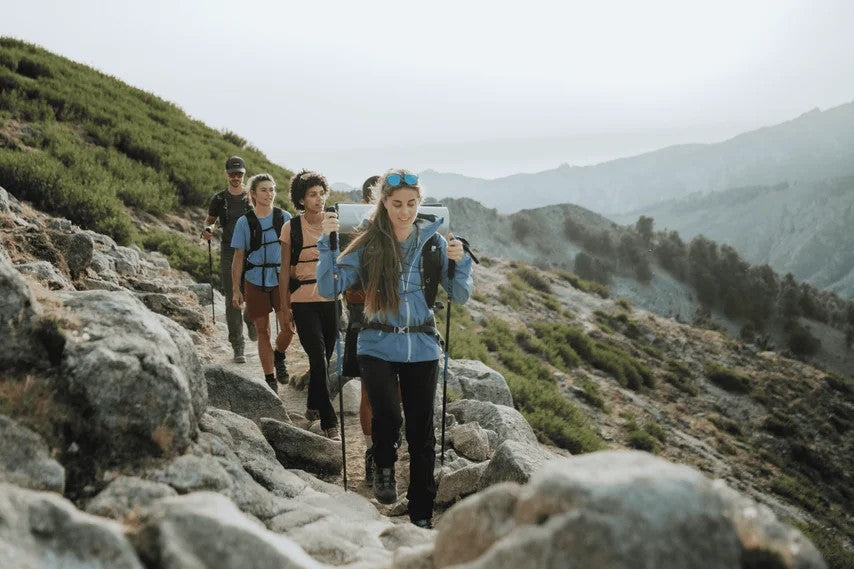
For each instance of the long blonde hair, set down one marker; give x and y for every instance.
(381, 253)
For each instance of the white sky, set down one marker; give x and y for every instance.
(483, 88)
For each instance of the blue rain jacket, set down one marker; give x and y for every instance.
(394, 346)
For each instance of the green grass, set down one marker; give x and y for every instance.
(182, 254)
(727, 379)
(584, 285)
(554, 419)
(81, 144)
(533, 278)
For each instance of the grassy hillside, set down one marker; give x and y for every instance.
(81, 144)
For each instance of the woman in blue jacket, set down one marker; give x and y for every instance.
(398, 343)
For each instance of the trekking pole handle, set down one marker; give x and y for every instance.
(333, 237)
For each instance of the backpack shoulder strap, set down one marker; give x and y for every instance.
(431, 269)
(278, 220)
(254, 232)
(296, 239)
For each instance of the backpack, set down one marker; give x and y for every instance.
(256, 241)
(296, 249)
(219, 203)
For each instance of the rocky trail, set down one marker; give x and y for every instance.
(131, 440)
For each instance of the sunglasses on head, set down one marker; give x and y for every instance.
(395, 180)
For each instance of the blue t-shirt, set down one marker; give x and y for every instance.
(270, 251)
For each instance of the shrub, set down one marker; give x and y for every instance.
(510, 296)
(183, 254)
(534, 279)
(727, 379)
(640, 439)
(584, 285)
(800, 340)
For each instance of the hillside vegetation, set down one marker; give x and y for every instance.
(81, 144)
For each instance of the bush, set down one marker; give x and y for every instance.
(727, 379)
(800, 340)
(584, 285)
(534, 279)
(183, 254)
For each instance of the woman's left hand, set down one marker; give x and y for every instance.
(455, 248)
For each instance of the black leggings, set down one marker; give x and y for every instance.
(315, 322)
(418, 389)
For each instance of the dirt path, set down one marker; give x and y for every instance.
(216, 349)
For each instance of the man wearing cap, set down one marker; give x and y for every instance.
(228, 206)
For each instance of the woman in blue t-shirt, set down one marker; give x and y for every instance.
(258, 233)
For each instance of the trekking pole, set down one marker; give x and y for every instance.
(210, 281)
(333, 245)
(452, 269)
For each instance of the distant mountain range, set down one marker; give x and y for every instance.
(817, 145)
(804, 228)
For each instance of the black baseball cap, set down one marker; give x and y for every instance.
(235, 164)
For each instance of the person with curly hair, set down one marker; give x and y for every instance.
(398, 344)
(313, 313)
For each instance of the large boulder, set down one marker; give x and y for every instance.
(256, 455)
(471, 441)
(622, 510)
(125, 494)
(41, 530)
(45, 273)
(507, 422)
(514, 462)
(134, 373)
(297, 448)
(126, 260)
(19, 317)
(174, 306)
(25, 459)
(456, 484)
(239, 394)
(77, 248)
(205, 530)
(472, 379)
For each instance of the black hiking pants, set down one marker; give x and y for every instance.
(233, 317)
(315, 323)
(418, 390)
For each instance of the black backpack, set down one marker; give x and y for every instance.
(257, 240)
(296, 249)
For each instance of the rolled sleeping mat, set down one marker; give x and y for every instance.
(352, 215)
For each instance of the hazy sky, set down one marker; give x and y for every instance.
(483, 88)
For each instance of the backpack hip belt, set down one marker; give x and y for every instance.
(428, 327)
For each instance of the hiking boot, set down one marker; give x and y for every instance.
(281, 371)
(272, 383)
(369, 465)
(425, 523)
(385, 487)
(239, 358)
(332, 434)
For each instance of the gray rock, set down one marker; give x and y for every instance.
(189, 473)
(471, 441)
(256, 455)
(104, 266)
(296, 448)
(175, 308)
(248, 397)
(506, 421)
(46, 274)
(4, 201)
(125, 494)
(202, 292)
(460, 483)
(60, 223)
(87, 283)
(77, 248)
(135, 372)
(617, 509)
(352, 397)
(205, 530)
(19, 314)
(41, 530)
(126, 260)
(514, 462)
(472, 379)
(25, 459)
(419, 557)
(471, 527)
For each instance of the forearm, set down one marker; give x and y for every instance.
(236, 271)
